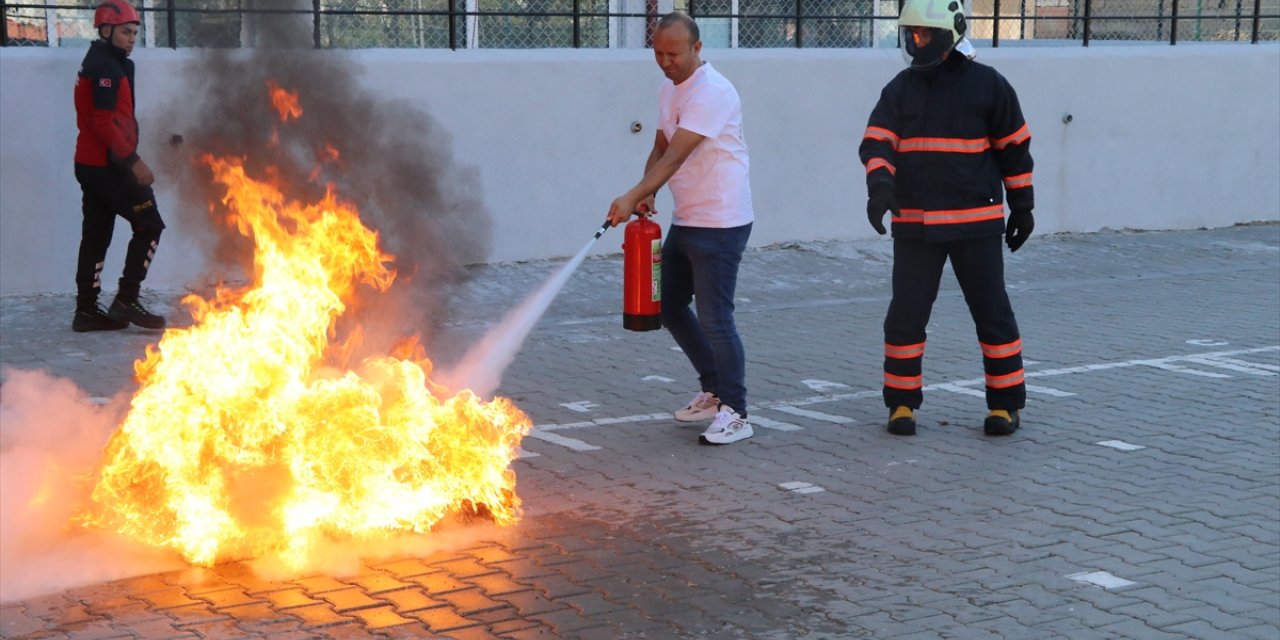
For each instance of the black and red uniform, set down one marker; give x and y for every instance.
(106, 149)
(952, 142)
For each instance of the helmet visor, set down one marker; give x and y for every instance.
(925, 47)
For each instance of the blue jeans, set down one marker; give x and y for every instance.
(701, 266)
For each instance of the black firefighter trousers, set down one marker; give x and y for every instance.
(108, 192)
(979, 267)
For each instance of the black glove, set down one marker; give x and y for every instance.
(1019, 227)
(880, 199)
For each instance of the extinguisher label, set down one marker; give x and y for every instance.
(655, 251)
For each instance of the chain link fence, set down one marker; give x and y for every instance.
(535, 24)
(1125, 20)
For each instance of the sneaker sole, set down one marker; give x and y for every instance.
(695, 418)
(742, 434)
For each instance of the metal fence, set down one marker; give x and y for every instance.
(531, 24)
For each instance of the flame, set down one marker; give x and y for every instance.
(242, 442)
(285, 101)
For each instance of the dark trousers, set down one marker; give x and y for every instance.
(109, 192)
(979, 267)
(700, 268)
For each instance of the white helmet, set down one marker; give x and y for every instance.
(945, 21)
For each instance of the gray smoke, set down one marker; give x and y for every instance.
(395, 165)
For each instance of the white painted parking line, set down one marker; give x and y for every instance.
(816, 415)
(658, 379)
(1121, 445)
(1101, 579)
(800, 487)
(973, 387)
(1239, 366)
(823, 399)
(1177, 368)
(956, 388)
(554, 438)
(1252, 365)
(586, 424)
(581, 406)
(1102, 366)
(761, 421)
(521, 454)
(1049, 391)
(823, 385)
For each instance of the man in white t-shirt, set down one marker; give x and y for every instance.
(699, 152)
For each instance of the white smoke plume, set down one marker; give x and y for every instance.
(51, 441)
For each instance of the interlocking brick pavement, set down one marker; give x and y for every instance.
(821, 525)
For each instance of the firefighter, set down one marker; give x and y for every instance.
(113, 179)
(945, 147)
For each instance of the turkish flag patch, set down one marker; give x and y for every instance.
(104, 82)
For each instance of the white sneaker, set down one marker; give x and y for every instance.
(702, 407)
(728, 427)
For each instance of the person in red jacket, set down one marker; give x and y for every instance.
(113, 179)
(945, 146)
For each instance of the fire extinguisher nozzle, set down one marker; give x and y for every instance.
(603, 228)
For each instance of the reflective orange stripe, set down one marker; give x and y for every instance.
(903, 382)
(950, 145)
(878, 133)
(910, 216)
(1005, 381)
(1018, 181)
(903, 352)
(1019, 136)
(1001, 350)
(877, 163)
(953, 216)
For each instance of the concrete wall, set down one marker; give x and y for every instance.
(1160, 138)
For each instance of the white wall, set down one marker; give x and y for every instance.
(1161, 138)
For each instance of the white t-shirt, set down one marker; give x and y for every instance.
(711, 189)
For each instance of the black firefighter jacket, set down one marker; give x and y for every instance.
(948, 140)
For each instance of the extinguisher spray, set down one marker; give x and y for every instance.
(642, 275)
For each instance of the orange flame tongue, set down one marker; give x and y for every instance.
(238, 445)
(285, 101)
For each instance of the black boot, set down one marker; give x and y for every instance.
(1001, 422)
(902, 422)
(136, 313)
(95, 319)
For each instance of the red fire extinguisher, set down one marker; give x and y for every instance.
(642, 275)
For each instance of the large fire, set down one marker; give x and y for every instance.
(244, 441)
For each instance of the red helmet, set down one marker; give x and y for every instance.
(113, 12)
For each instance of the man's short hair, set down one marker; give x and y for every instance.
(680, 17)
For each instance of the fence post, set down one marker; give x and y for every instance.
(995, 26)
(315, 23)
(1173, 24)
(4, 27)
(1257, 9)
(453, 25)
(1088, 20)
(171, 23)
(577, 24)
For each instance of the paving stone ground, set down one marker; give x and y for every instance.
(1141, 498)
